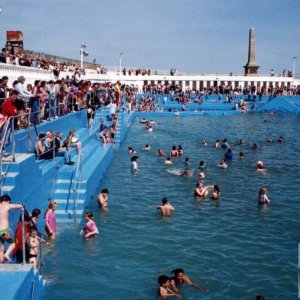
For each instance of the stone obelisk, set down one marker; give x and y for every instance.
(251, 67)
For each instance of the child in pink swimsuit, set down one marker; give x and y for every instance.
(90, 229)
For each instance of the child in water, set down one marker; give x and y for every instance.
(260, 167)
(33, 242)
(90, 229)
(168, 161)
(134, 165)
(164, 291)
(262, 196)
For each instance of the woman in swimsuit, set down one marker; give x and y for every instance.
(179, 279)
(200, 191)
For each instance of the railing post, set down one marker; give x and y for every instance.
(13, 139)
(28, 132)
(23, 238)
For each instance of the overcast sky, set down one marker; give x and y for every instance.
(204, 36)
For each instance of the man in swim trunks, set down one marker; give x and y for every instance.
(165, 207)
(6, 234)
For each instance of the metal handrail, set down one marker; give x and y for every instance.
(76, 184)
(32, 290)
(53, 184)
(5, 136)
(23, 238)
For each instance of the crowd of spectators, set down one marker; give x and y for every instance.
(48, 100)
(163, 88)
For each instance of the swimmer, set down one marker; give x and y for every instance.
(152, 122)
(222, 164)
(186, 172)
(90, 229)
(225, 144)
(269, 141)
(187, 161)
(174, 152)
(131, 150)
(165, 207)
(134, 165)
(218, 144)
(147, 147)
(260, 167)
(241, 154)
(228, 155)
(143, 120)
(201, 176)
(202, 165)
(241, 142)
(103, 198)
(272, 113)
(200, 191)
(148, 126)
(180, 150)
(216, 194)
(281, 139)
(160, 152)
(254, 146)
(262, 196)
(164, 291)
(205, 142)
(179, 279)
(168, 161)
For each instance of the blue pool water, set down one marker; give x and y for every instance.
(231, 247)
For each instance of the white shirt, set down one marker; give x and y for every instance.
(113, 108)
(23, 92)
(134, 166)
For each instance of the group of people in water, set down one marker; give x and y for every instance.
(170, 286)
(24, 243)
(201, 191)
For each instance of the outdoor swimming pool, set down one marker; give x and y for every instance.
(231, 247)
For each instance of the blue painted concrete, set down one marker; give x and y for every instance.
(20, 282)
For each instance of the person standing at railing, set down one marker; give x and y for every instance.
(34, 243)
(9, 109)
(3, 89)
(50, 89)
(57, 91)
(42, 94)
(33, 103)
(117, 89)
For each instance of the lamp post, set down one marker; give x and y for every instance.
(83, 52)
(120, 62)
(294, 66)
